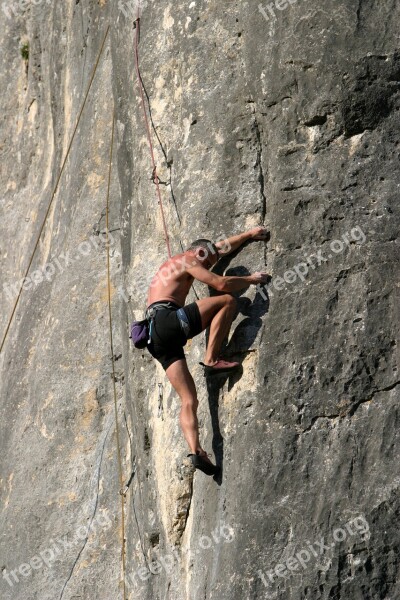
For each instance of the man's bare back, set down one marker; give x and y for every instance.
(175, 277)
(172, 281)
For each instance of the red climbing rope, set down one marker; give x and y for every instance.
(146, 119)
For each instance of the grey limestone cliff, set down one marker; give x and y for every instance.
(284, 114)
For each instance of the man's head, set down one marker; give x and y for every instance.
(206, 252)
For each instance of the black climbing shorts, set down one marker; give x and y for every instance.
(171, 328)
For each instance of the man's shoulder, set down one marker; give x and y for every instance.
(185, 260)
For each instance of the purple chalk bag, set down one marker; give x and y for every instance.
(140, 334)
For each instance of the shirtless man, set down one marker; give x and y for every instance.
(173, 323)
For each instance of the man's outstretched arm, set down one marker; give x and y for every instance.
(226, 284)
(233, 243)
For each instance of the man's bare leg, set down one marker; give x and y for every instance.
(217, 313)
(182, 381)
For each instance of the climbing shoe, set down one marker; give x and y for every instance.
(221, 366)
(199, 462)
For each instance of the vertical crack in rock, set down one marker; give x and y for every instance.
(129, 436)
(358, 15)
(261, 177)
(132, 458)
(183, 502)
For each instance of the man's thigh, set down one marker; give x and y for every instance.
(209, 307)
(181, 379)
(194, 319)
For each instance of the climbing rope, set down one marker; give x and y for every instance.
(121, 476)
(155, 178)
(55, 187)
(64, 162)
(146, 120)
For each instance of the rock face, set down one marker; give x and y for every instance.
(283, 114)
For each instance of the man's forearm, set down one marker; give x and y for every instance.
(233, 243)
(234, 284)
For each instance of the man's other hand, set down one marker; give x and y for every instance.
(258, 233)
(259, 278)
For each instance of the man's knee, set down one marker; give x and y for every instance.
(190, 402)
(230, 301)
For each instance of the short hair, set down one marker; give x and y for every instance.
(206, 244)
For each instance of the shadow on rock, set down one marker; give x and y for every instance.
(239, 346)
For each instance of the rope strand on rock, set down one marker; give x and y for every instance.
(146, 120)
(55, 187)
(110, 322)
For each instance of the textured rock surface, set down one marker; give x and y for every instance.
(291, 122)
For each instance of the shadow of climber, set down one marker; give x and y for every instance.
(238, 347)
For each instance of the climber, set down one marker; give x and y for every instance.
(172, 323)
